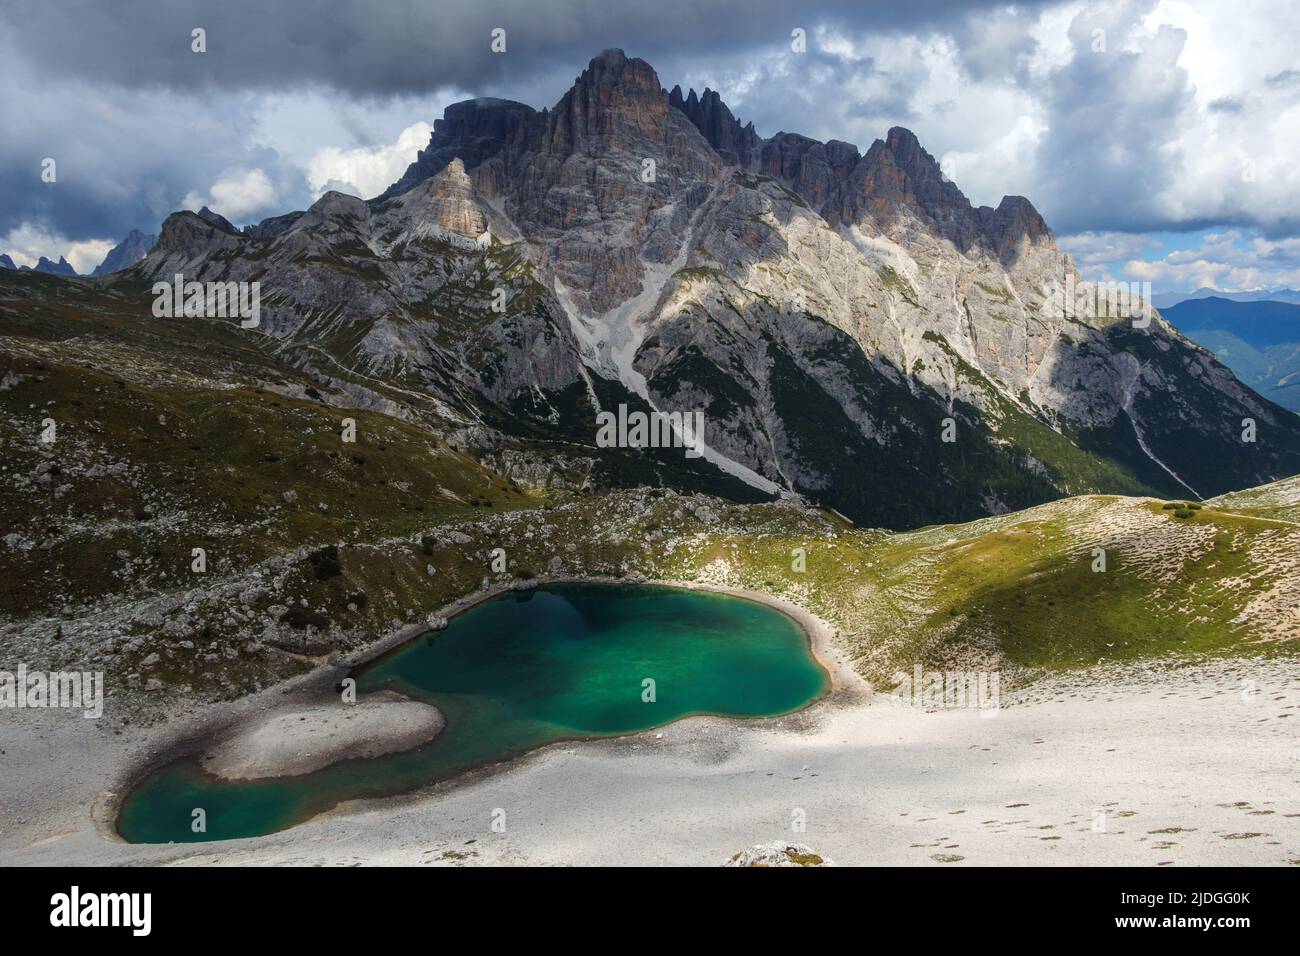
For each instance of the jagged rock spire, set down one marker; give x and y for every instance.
(616, 96)
(736, 144)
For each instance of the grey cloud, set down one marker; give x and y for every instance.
(1225, 104)
(996, 43)
(364, 47)
(1113, 115)
(137, 121)
(122, 162)
(793, 94)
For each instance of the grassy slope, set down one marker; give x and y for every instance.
(1019, 592)
(153, 458)
(160, 450)
(1280, 500)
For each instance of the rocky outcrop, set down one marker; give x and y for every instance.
(617, 101)
(128, 252)
(816, 171)
(452, 204)
(187, 237)
(779, 853)
(472, 131)
(408, 284)
(897, 181)
(607, 180)
(218, 220)
(275, 226)
(1012, 227)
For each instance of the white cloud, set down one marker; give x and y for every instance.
(1179, 123)
(1186, 122)
(28, 242)
(1231, 261)
(1095, 252)
(1014, 101)
(982, 173)
(367, 170)
(237, 194)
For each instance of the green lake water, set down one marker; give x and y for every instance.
(512, 674)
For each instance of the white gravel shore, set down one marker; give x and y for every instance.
(1136, 765)
(289, 741)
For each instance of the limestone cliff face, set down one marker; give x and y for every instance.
(401, 288)
(827, 360)
(188, 238)
(450, 202)
(833, 312)
(607, 180)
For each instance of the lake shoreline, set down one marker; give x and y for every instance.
(1164, 707)
(317, 686)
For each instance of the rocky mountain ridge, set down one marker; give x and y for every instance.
(43, 265)
(134, 247)
(837, 315)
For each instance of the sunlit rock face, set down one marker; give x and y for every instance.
(854, 329)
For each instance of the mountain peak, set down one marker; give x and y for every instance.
(617, 98)
(900, 138)
(128, 252)
(905, 151)
(736, 144)
(334, 204)
(613, 69)
(61, 268)
(186, 235)
(611, 55)
(218, 220)
(471, 130)
(1012, 223)
(826, 309)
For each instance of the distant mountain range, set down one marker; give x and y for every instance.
(126, 253)
(1163, 300)
(43, 265)
(1258, 340)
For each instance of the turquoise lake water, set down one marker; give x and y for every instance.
(511, 674)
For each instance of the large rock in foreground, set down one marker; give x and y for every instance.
(778, 853)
